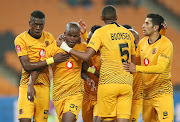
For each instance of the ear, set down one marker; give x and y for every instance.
(116, 17)
(30, 23)
(101, 17)
(156, 27)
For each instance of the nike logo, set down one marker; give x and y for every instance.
(165, 117)
(31, 46)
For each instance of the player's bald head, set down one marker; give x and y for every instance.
(72, 26)
(109, 13)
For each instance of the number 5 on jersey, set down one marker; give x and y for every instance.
(124, 52)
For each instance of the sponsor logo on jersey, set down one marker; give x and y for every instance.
(31, 46)
(21, 111)
(69, 64)
(165, 114)
(18, 48)
(42, 53)
(146, 61)
(46, 112)
(154, 51)
(133, 119)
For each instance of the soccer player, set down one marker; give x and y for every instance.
(89, 105)
(30, 46)
(137, 86)
(116, 45)
(155, 52)
(68, 87)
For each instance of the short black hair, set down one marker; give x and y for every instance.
(38, 14)
(72, 25)
(127, 26)
(95, 27)
(109, 13)
(156, 19)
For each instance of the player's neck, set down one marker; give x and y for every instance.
(108, 22)
(153, 38)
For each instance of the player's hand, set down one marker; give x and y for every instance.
(164, 25)
(83, 26)
(60, 39)
(129, 67)
(60, 57)
(31, 93)
(92, 84)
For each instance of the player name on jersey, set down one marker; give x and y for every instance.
(119, 36)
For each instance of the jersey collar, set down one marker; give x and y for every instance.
(155, 41)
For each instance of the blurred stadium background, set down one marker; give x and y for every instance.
(14, 20)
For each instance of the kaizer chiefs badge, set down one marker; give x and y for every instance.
(154, 51)
(47, 43)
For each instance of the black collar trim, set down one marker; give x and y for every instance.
(155, 41)
(33, 36)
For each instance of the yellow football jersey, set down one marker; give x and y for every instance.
(95, 62)
(66, 75)
(137, 78)
(25, 44)
(116, 45)
(137, 86)
(149, 54)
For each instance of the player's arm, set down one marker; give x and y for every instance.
(133, 59)
(31, 92)
(89, 69)
(83, 29)
(31, 66)
(83, 55)
(163, 29)
(155, 69)
(89, 80)
(160, 67)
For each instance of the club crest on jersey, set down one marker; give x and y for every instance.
(146, 61)
(47, 43)
(154, 51)
(69, 64)
(42, 53)
(18, 48)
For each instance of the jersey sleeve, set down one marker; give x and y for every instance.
(84, 35)
(166, 52)
(96, 41)
(20, 46)
(84, 46)
(163, 32)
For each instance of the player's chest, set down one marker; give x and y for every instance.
(72, 63)
(149, 54)
(37, 47)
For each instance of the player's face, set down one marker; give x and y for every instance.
(89, 37)
(148, 27)
(72, 37)
(37, 26)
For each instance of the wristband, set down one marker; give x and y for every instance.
(49, 60)
(65, 47)
(91, 70)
